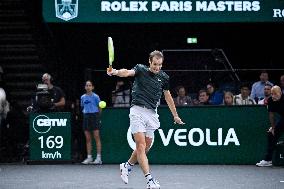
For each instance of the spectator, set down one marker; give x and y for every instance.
(215, 97)
(16, 132)
(257, 90)
(91, 122)
(282, 83)
(228, 98)
(244, 98)
(267, 94)
(4, 105)
(275, 105)
(121, 95)
(203, 97)
(182, 99)
(4, 109)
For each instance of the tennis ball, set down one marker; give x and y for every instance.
(102, 104)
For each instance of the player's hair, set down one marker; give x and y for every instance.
(156, 53)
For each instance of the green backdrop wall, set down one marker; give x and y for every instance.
(212, 135)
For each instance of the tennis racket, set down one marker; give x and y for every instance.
(110, 53)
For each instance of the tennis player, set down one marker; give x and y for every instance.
(150, 83)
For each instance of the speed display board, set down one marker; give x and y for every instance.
(50, 136)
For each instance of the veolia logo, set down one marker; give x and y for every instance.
(131, 141)
(185, 137)
(42, 123)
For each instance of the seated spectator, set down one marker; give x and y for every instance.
(228, 98)
(267, 94)
(244, 98)
(182, 99)
(121, 95)
(257, 90)
(203, 97)
(282, 83)
(215, 97)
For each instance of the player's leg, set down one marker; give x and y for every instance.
(137, 155)
(153, 124)
(151, 182)
(137, 125)
(133, 158)
(140, 151)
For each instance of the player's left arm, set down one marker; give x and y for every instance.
(171, 104)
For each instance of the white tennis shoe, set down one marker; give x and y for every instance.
(87, 161)
(264, 163)
(124, 172)
(97, 161)
(153, 184)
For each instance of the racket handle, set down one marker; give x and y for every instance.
(110, 68)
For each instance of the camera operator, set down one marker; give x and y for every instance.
(48, 97)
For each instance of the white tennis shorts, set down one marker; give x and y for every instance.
(143, 120)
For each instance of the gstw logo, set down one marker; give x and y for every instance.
(43, 124)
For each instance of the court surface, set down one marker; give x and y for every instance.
(18, 176)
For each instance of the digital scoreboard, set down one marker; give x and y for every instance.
(161, 11)
(50, 136)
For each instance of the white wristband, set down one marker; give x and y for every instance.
(114, 72)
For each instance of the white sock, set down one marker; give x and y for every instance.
(148, 176)
(89, 156)
(129, 165)
(99, 156)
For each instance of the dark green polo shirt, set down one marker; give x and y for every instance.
(148, 87)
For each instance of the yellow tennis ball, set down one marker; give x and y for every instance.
(102, 104)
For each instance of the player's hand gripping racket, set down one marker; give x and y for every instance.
(110, 53)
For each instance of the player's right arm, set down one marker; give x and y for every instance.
(121, 72)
